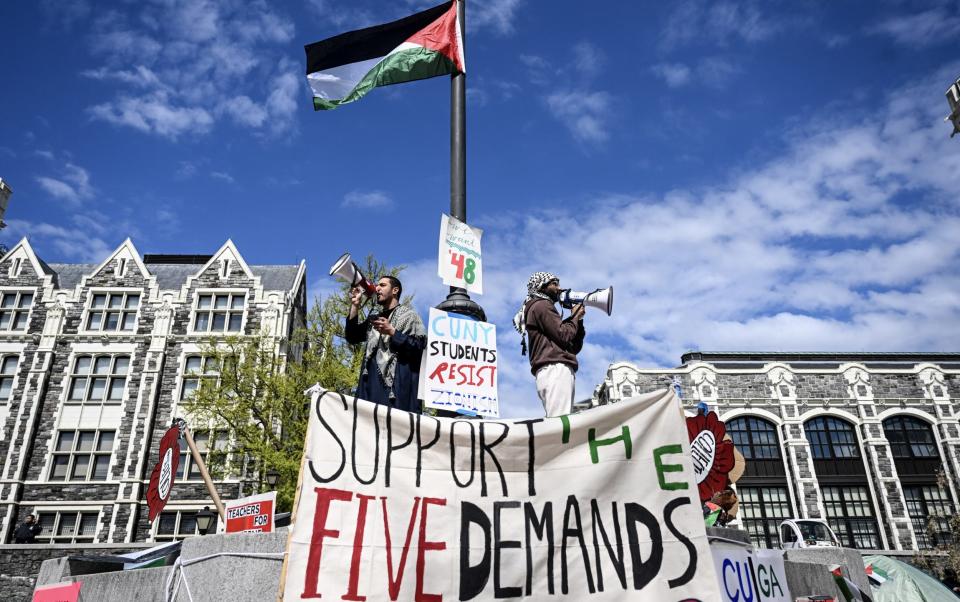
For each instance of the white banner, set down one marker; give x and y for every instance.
(746, 574)
(458, 371)
(599, 505)
(459, 260)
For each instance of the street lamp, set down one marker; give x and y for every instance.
(272, 477)
(953, 98)
(205, 519)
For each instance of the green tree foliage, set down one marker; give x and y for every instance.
(259, 396)
(945, 556)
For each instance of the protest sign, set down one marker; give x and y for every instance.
(58, 592)
(459, 261)
(458, 371)
(161, 479)
(252, 514)
(746, 574)
(599, 505)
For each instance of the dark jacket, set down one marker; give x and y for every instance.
(26, 533)
(406, 378)
(552, 340)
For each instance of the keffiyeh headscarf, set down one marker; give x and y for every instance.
(406, 320)
(534, 291)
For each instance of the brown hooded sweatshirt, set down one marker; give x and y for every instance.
(552, 340)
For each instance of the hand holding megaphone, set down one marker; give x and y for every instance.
(345, 269)
(601, 299)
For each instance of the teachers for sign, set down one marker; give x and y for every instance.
(600, 505)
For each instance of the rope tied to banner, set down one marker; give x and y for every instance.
(173, 588)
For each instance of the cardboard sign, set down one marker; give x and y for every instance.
(253, 514)
(745, 574)
(161, 479)
(458, 371)
(459, 261)
(59, 592)
(600, 505)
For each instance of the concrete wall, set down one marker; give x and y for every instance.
(228, 578)
(20, 563)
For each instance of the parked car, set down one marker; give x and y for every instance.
(807, 533)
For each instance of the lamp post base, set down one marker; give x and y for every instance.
(459, 302)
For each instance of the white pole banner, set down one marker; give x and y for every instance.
(745, 574)
(599, 505)
(458, 371)
(459, 260)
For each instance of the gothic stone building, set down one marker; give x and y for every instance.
(867, 441)
(94, 361)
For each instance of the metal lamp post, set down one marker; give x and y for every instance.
(205, 519)
(458, 301)
(272, 478)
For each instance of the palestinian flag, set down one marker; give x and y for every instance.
(848, 589)
(343, 68)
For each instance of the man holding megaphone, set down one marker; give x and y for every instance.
(394, 339)
(554, 343)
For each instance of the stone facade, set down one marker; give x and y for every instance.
(127, 411)
(875, 397)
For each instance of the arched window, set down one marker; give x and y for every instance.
(755, 438)
(763, 493)
(843, 481)
(917, 458)
(910, 437)
(832, 438)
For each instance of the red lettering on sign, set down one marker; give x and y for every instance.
(423, 546)
(324, 498)
(357, 549)
(395, 579)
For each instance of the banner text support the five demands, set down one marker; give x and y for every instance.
(424, 508)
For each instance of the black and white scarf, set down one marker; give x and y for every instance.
(406, 320)
(537, 281)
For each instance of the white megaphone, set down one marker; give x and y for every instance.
(602, 298)
(345, 269)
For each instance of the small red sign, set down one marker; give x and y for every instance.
(161, 480)
(251, 514)
(59, 592)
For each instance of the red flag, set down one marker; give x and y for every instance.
(161, 480)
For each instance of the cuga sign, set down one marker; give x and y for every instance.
(750, 576)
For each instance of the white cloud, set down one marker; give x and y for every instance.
(700, 21)
(184, 65)
(675, 75)
(72, 184)
(223, 177)
(938, 25)
(374, 199)
(74, 243)
(585, 113)
(587, 59)
(712, 72)
(154, 113)
(498, 15)
(845, 241)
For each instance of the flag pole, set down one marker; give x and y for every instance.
(458, 300)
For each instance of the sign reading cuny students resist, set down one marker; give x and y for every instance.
(252, 514)
(459, 260)
(458, 370)
(594, 506)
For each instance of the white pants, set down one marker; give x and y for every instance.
(555, 386)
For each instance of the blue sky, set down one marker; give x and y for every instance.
(748, 175)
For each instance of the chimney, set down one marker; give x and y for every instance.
(5, 193)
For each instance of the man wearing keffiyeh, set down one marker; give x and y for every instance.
(554, 343)
(394, 339)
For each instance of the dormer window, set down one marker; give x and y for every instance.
(219, 312)
(224, 268)
(15, 310)
(113, 312)
(121, 267)
(15, 266)
(785, 390)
